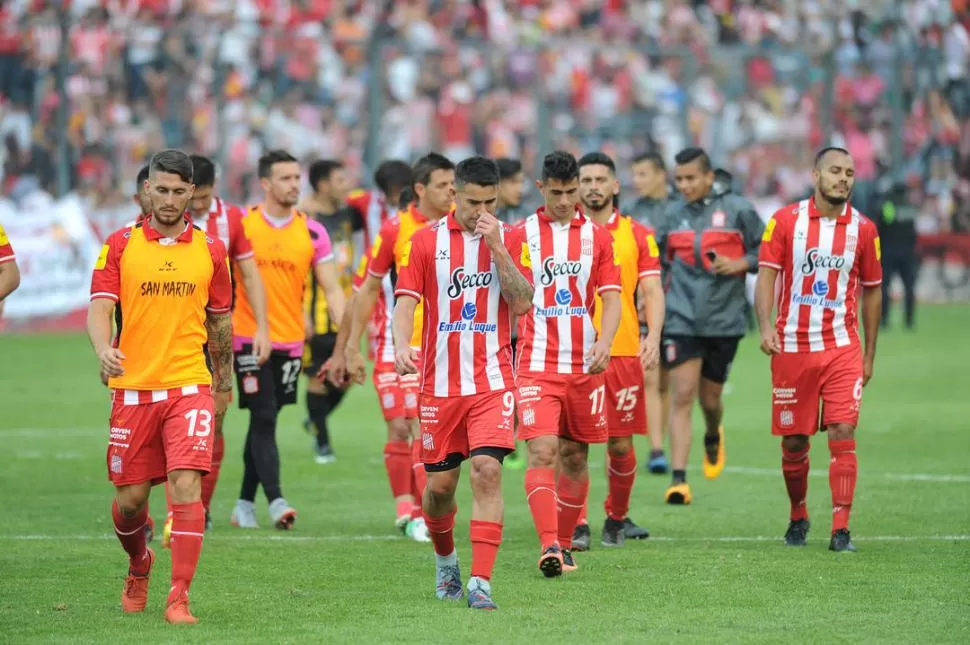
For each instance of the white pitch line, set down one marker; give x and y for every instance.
(389, 538)
(900, 477)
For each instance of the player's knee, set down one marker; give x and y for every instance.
(795, 443)
(442, 485)
(132, 499)
(619, 446)
(486, 474)
(543, 453)
(185, 486)
(398, 430)
(709, 399)
(572, 457)
(841, 432)
(683, 396)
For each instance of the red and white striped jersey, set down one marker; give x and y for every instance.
(225, 223)
(571, 263)
(466, 345)
(379, 337)
(822, 262)
(374, 211)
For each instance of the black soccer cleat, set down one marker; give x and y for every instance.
(208, 521)
(568, 563)
(550, 562)
(633, 532)
(612, 533)
(581, 538)
(841, 542)
(797, 532)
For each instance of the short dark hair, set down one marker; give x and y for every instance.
(172, 161)
(321, 169)
(824, 151)
(407, 196)
(141, 178)
(477, 170)
(423, 168)
(560, 165)
(688, 155)
(508, 167)
(270, 159)
(392, 175)
(597, 159)
(203, 171)
(653, 158)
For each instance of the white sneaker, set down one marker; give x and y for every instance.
(283, 514)
(244, 515)
(417, 530)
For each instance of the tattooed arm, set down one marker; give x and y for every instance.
(219, 327)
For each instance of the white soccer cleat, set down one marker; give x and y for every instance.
(282, 513)
(244, 515)
(417, 530)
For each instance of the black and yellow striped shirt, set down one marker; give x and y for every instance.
(341, 227)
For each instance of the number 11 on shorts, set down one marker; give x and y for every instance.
(598, 399)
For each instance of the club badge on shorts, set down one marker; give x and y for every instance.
(250, 384)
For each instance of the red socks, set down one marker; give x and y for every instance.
(486, 538)
(843, 472)
(210, 480)
(621, 473)
(572, 498)
(442, 531)
(419, 478)
(540, 493)
(794, 466)
(131, 534)
(188, 525)
(397, 461)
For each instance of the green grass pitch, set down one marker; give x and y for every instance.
(715, 571)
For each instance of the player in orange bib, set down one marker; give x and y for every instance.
(434, 184)
(171, 284)
(288, 246)
(626, 414)
(9, 272)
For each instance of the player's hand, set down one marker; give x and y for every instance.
(335, 372)
(488, 227)
(405, 361)
(111, 359)
(770, 343)
(649, 352)
(598, 357)
(220, 402)
(104, 378)
(867, 365)
(261, 346)
(723, 266)
(355, 366)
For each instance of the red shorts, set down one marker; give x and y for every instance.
(798, 382)
(398, 394)
(566, 405)
(626, 407)
(150, 440)
(457, 425)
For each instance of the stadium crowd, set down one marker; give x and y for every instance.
(746, 80)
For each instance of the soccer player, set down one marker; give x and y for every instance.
(825, 250)
(141, 197)
(639, 258)
(392, 177)
(9, 271)
(708, 241)
(561, 362)
(288, 246)
(653, 197)
(327, 205)
(468, 270)
(171, 282)
(434, 184)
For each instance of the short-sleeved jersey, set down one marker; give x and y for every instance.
(341, 226)
(571, 263)
(639, 257)
(390, 249)
(285, 252)
(6, 249)
(225, 223)
(373, 210)
(380, 337)
(822, 263)
(163, 287)
(466, 345)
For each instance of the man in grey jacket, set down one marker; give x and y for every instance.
(709, 240)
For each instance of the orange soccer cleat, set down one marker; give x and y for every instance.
(134, 595)
(713, 471)
(177, 612)
(678, 494)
